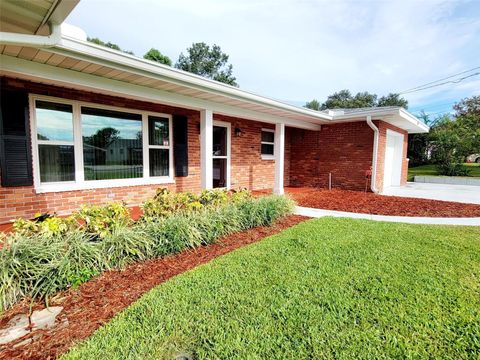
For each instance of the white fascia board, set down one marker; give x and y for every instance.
(104, 56)
(413, 125)
(64, 77)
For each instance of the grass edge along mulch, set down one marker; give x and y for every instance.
(97, 301)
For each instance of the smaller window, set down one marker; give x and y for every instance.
(159, 145)
(268, 143)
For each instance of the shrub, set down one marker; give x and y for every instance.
(45, 224)
(39, 264)
(101, 220)
(451, 169)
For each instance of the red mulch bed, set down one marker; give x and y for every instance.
(98, 300)
(370, 203)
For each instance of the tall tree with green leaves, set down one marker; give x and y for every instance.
(155, 55)
(314, 105)
(209, 62)
(392, 100)
(109, 45)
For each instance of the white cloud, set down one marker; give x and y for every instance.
(298, 50)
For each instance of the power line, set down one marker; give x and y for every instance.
(445, 78)
(456, 81)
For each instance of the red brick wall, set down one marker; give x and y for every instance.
(344, 150)
(248, 170)
(382, 140)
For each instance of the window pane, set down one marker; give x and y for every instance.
(159, 162)
(219, 141)
(267, 149)
(268, 136)
(54, 121)
(112, 144)
(219, 173)
(158, 131)
(57, 163)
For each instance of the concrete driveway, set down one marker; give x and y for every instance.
(459, 193)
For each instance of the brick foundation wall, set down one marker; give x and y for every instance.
(248, 169)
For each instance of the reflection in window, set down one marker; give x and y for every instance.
(112, 144)
(54, 121)
(268, 142)
(56, 163)
(158, 131)
(55, 141)
(159, 145)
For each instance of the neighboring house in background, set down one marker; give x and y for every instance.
(193, 133)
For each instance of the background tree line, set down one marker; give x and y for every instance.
(451, 139)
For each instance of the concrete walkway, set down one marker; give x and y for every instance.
(467, 194)
(317, 213)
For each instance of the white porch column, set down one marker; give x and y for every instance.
(206, 148)
(279, 152)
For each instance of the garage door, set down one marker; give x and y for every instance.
(393, 159)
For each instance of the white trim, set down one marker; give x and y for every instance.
(373, 180)
(401, 137)
(267, 156)
(229, 149)
(279, 158)
(206, 148)
(80, 183)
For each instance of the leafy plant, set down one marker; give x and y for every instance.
(46, 224)
(101, 220)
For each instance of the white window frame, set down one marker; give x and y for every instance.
(267, 156)
(80, 183)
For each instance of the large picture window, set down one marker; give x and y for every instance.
(112, 144)
(81, 145)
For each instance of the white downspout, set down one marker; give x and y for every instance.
(373, 181)
(37, 41)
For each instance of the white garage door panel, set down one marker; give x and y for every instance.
(393, 159)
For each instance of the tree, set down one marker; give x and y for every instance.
(314, 105)
(109, 45)
(393, 100)
(452, 139)
(419, 145)
(344, 99)
(155, 55)
(207, 61)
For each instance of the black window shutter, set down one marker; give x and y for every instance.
(15, 151)
(180, 144)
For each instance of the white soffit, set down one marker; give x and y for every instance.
(33, 16)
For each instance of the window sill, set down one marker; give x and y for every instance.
(100, 184)
(268, 157)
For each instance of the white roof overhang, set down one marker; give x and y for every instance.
(33, 17)
(83, 65)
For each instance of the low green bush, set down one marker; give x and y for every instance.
(36, 265)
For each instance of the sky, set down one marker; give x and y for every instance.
(295, 51)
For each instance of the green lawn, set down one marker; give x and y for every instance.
(326, 288)
(432, 170)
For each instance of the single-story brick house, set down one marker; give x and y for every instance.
(81, 123)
